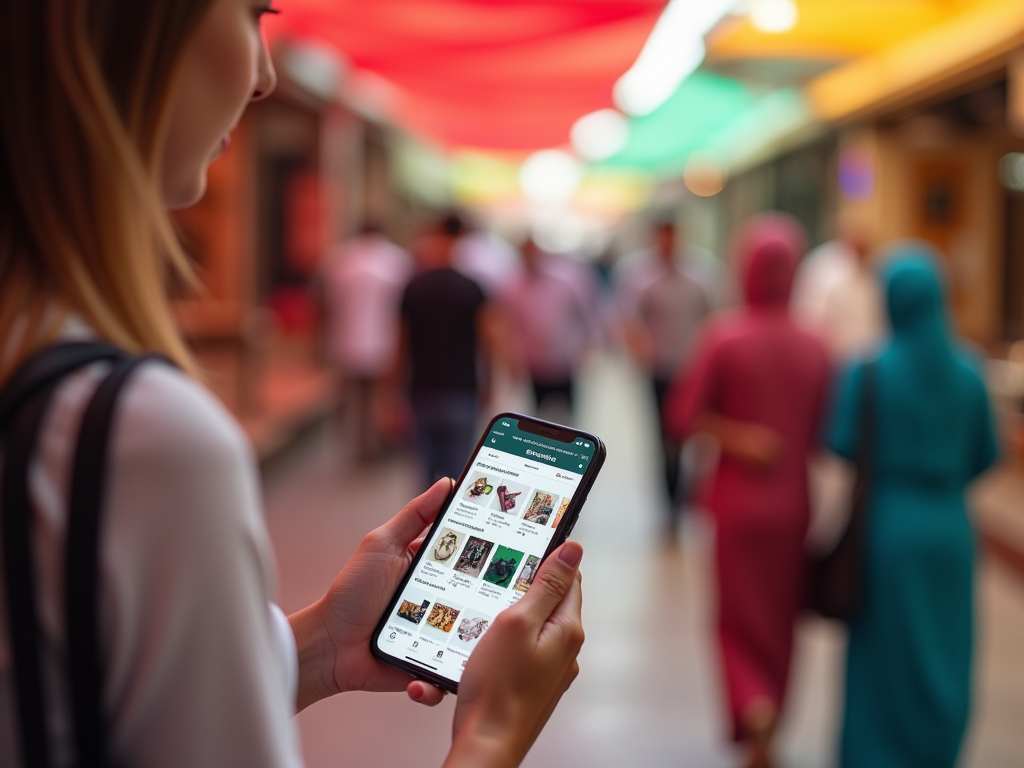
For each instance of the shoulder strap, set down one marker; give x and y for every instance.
(46, 368)
(15, 507)
(81, 574)
(866, 440)
(23, 405)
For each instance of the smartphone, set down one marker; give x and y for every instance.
(516, 501)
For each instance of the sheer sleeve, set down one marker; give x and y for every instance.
(198, 673)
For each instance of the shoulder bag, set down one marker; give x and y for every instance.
(835, 586)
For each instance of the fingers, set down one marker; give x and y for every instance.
(408, 524)
(415, 546)
(553, 582)
(567, 615)
(425, 693)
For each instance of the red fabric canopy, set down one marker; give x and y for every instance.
(501, 74)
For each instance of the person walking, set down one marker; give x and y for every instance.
(445, 352)
(660, 326)
(112, 111)
(551, 327)
(362, 281)
(836, 294)
(758, 384)
(908, 665)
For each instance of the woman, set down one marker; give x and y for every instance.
(112, 112)
(758, 384)
(908, 664)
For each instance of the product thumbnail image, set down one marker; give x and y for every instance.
(541, 506)
(473, 556)
(446, 547)
(503, 567)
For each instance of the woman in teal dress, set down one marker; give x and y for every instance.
(908, 670)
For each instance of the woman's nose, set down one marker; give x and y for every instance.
(266, 75)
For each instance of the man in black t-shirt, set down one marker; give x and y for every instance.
(445, 352)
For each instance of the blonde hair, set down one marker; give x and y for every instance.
(84, 90)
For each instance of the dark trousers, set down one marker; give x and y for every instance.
(542, 390)
(358, 398)
(671, 450)
(445, 430)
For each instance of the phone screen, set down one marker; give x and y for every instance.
(482, 555)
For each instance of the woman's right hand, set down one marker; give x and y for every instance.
(757, 446)
(520, 668)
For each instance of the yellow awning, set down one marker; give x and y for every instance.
(834, 29)
(974, 42)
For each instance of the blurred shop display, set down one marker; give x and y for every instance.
(300, 169)
(566, 121)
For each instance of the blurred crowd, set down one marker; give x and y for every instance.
(783, 371)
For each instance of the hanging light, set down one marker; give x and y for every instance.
(600, 134)
(550, 176)
(705, 174)
(674, 50)
(774, 16)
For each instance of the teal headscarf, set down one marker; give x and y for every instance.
(915, 294)
(932, 416)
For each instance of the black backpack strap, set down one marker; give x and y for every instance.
(45, 369)
(23, 406)
(81, 574)
(18, 573)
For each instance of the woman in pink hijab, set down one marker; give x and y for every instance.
(758, 383)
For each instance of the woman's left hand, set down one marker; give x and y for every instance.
(333, 634)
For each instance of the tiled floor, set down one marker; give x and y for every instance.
(648, 692)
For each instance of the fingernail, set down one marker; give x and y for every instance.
(570, 554)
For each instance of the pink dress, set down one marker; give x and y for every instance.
(757, 366)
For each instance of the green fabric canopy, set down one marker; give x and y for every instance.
(661, 142)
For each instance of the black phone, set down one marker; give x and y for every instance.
(516, 501)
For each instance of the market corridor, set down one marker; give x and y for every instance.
(648, 690)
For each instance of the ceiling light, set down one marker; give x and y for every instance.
(774, 16)
(600, 134)
(674, 49)
(704, 174)
(550, 176)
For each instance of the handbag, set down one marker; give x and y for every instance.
(835, 585)
(23, 406)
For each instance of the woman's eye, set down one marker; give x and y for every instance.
(264, 10)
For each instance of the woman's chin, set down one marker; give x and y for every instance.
(185, 195)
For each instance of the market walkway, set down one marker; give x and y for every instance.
(647, 694)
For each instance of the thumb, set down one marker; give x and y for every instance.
(553, 581)
(404, 527)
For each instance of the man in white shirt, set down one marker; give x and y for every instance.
(836, 294)
(487, 259)
(663, 305)
(363, 281)
(550, 324)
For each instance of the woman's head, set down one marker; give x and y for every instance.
(225, 65)
(767, 250)
(111, 112)
(915, 292)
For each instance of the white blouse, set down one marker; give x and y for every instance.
(198, 671)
